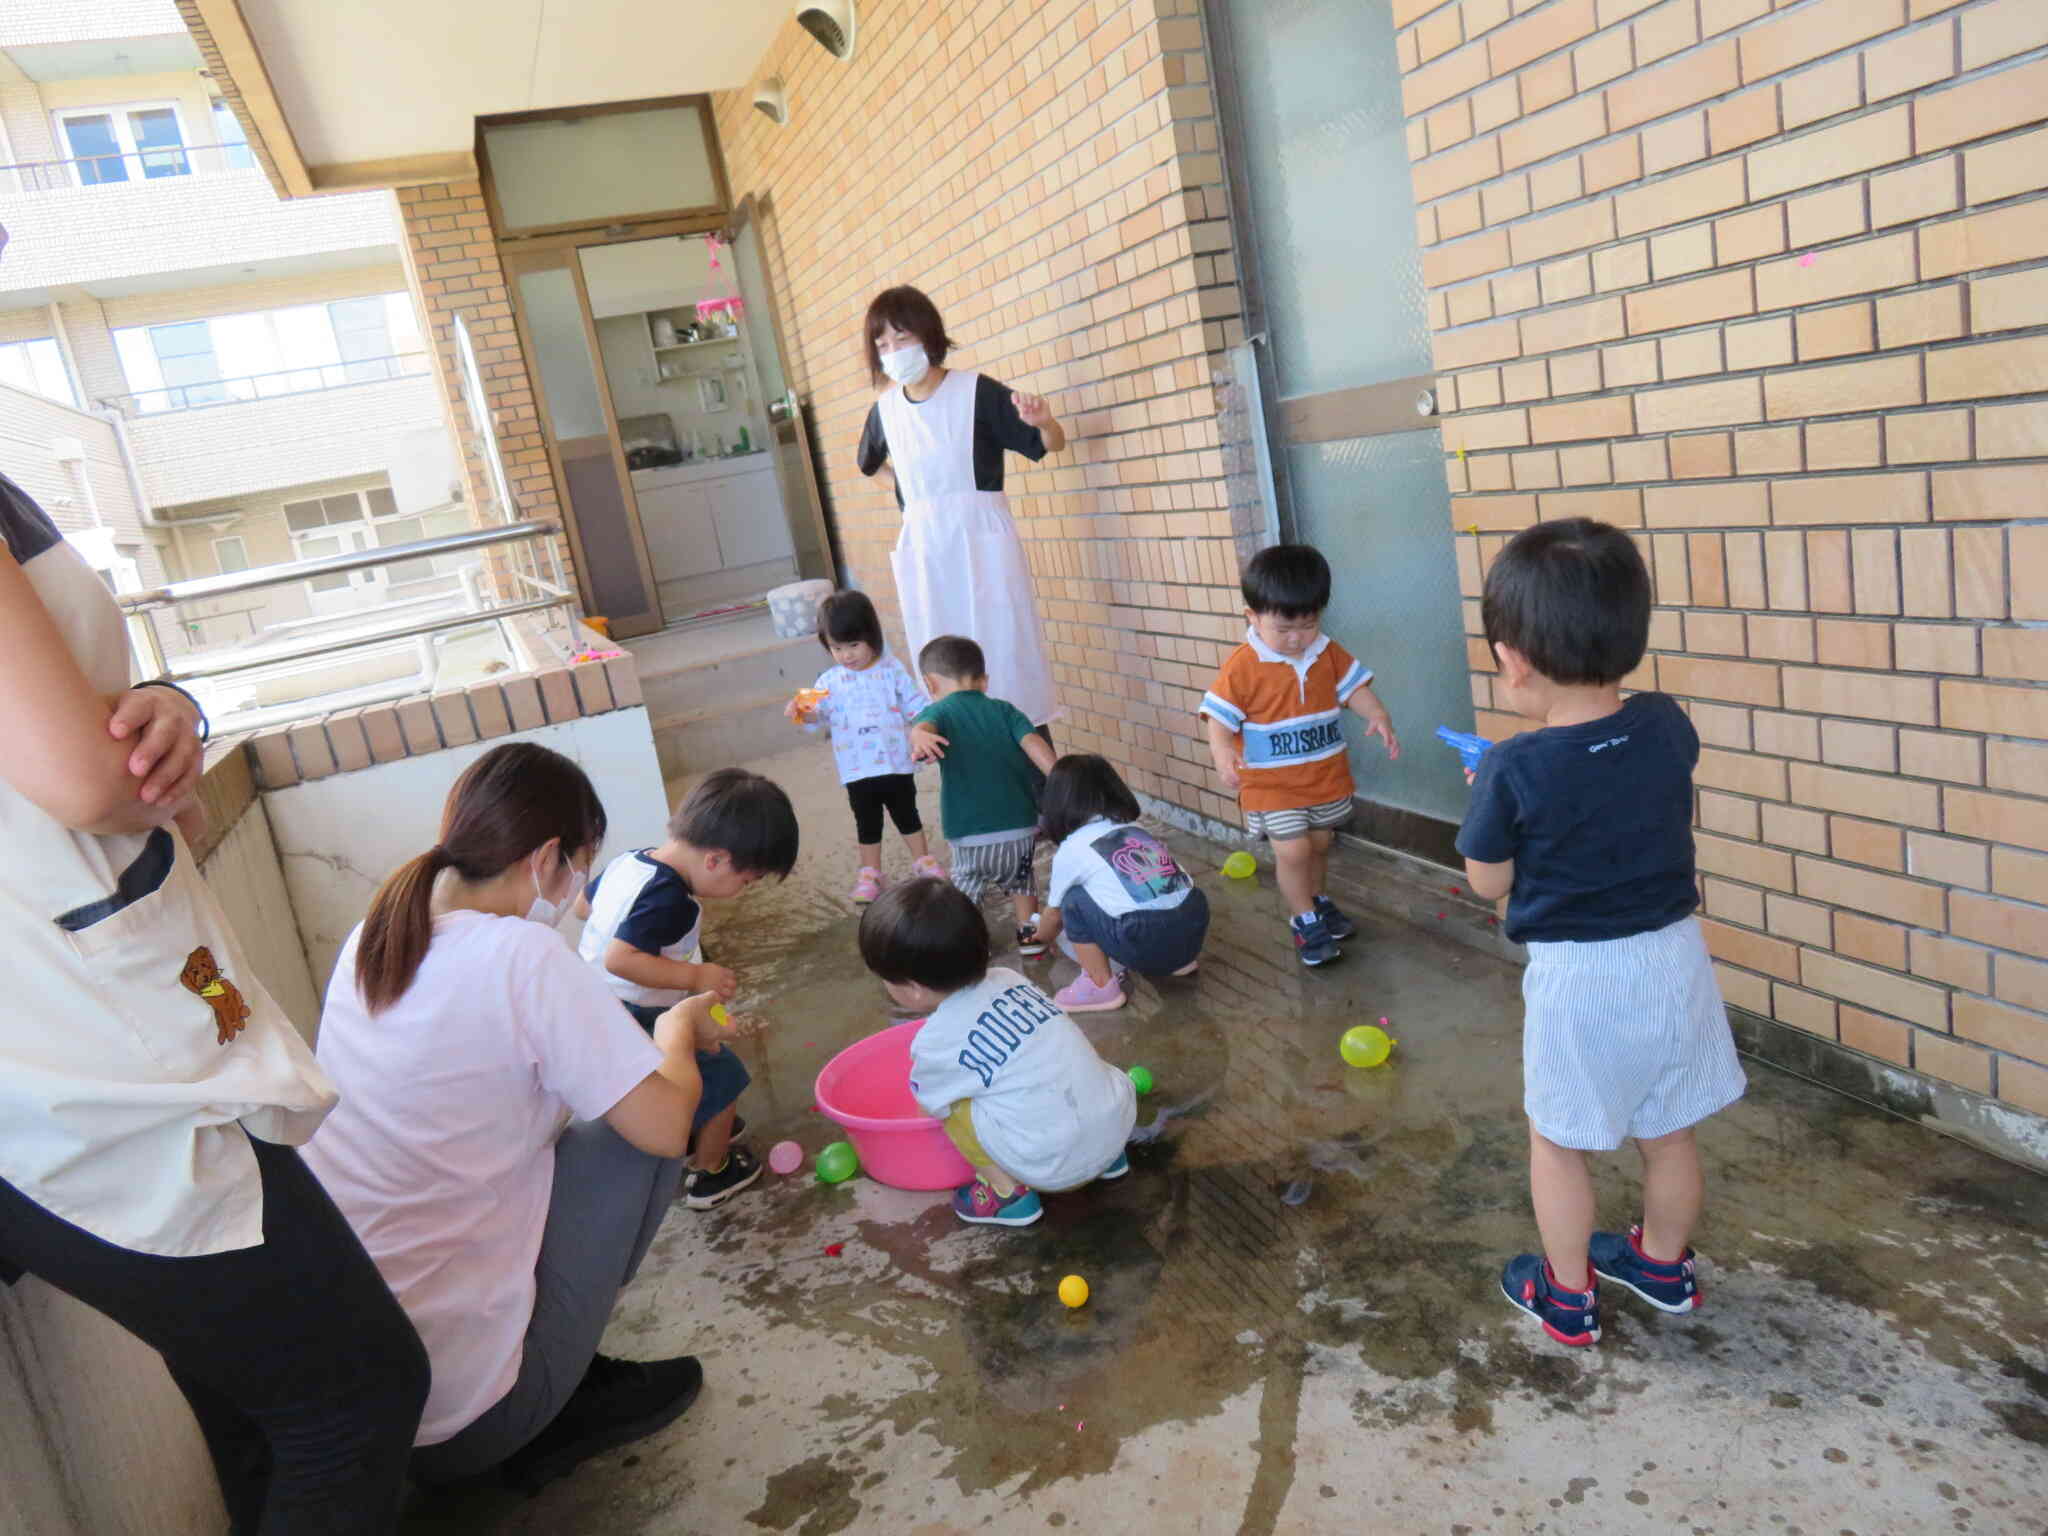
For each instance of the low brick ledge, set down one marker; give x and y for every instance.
(353, 739)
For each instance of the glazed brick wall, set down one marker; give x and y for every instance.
(453, 261)
(1768, 285)
(1049, 172)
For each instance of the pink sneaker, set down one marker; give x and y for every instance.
(867, 887)
(929, 867)
(1082, 995)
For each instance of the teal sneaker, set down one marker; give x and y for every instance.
(979, 1203)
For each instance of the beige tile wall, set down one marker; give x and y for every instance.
(1048, 172)
(1769, 285)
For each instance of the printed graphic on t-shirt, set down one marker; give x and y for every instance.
(1003, 1028)
(1142, 863)
(1304, 739)
(202, 978)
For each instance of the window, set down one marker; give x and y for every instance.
(124, 144)
(270, 352)
(227, 132)
(38, 367)
(230, 555)
(351, 522)
(362, 334)
(185, 361)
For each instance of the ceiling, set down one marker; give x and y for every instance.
(372, 80)
(47, 63)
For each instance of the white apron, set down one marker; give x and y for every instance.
(136, 1044)
(959, 565)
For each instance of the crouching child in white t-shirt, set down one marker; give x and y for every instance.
(1021, 1091)
(1117, 900)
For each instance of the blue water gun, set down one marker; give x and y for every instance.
(1469, 748)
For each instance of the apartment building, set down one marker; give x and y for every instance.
(197, 377)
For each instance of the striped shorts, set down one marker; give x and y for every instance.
(1005, 866)
(1298, 821)
(1624, 1038)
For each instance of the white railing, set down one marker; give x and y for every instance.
(162, 164)
(278, 385)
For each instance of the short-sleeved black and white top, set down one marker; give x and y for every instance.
(997, 429)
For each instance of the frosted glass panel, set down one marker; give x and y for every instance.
(1332, 208)
(602, 169)
(1375, 507)
(562, 353)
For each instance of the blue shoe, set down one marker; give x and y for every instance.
(1619, 1256)
(1341, 927)
(979, 1203)
(1567, 1317)
(1313, 939)
(1115, 1170)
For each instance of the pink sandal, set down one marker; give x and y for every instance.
(867, 887)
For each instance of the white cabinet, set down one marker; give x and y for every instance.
(713, 516)
(748, 511)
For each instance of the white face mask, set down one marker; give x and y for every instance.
(906, 365)
(549, 913)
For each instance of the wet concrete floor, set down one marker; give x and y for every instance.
(1872, 1356)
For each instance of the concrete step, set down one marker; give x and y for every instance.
(747, 726)
(1417, 891)
(687, 672)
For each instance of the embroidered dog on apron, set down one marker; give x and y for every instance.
(203, 979)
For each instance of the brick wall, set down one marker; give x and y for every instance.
(453, 260)
(1770, 286)
(1052, 180)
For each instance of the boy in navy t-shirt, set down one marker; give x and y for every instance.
(1585, 825)
(642, 917)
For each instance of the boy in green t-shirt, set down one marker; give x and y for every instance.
(988, 793)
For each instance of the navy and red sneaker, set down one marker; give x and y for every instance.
(1313, 940)
(1570, 1317)
(1669, 1287)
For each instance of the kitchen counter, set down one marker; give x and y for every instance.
(699, 470)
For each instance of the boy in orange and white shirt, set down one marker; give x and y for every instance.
(1274, 716)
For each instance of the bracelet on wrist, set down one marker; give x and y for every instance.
(205, 725)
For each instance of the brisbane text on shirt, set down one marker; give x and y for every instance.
(1318, 736)
(1002, 1027)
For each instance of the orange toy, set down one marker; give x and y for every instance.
(807, 699)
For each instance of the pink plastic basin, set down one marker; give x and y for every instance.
(866, 1089)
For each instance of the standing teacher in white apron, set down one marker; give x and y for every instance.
(959, 565)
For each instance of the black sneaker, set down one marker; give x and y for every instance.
(739, 1129)
(1340, 926)
(1313, 939)
(704, 1188)
(1028, 941)
(616, 1403)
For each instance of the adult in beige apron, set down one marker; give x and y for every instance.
(958, 563)
(151, 1092)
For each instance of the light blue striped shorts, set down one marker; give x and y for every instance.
(1625, 1038)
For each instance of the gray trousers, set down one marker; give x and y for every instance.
(608, 1202)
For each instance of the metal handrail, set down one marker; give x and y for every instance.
(56, 175)
(258, 577)
(180, 395)
(363, 642)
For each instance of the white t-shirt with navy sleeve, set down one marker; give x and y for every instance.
(869, 714)
(645, 903)
(1051, 1112)
(1121, 865)
(441, 1152)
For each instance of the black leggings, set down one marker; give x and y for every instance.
(305, 1375)
(894, 792)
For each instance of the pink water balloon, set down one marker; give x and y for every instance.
(785, 1157)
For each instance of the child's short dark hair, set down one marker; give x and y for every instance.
(954, 657)
(1291, 581)
(847, 616)
(1081, 788)
(927, 933)
(1573, 597)
(742, 815)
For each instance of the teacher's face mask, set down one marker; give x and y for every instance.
(906, 365)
